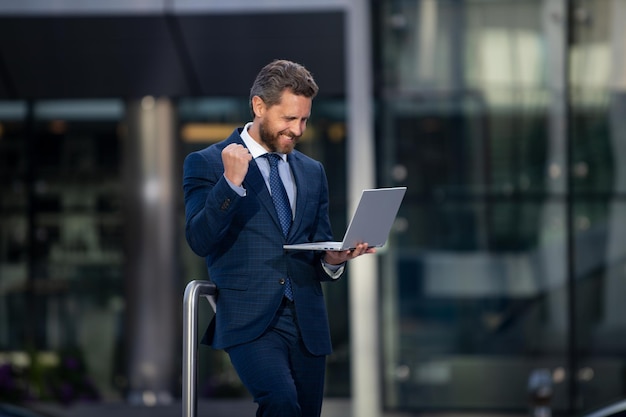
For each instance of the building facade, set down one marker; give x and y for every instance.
(504, 118)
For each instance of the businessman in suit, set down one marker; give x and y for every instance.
(271, 317)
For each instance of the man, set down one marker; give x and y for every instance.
(271, 316)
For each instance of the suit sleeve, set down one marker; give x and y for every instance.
(210, 202)
(324, 231)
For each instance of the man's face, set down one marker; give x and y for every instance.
(281, 125)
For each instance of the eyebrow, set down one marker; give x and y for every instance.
(290, 117)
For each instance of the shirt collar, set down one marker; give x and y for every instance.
(256, 150)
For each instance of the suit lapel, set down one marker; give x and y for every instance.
(255, 183)
(302, 190)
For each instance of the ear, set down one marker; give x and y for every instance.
(258, 105)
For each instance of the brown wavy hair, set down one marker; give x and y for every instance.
(281, 75)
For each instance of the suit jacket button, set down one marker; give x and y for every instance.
(281, 281)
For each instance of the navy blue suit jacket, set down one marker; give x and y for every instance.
(242, 242)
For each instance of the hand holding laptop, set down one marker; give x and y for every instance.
(334, 257)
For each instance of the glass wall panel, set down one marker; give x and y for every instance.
(61, 246)
(598, 123)
(14, 229)
(472, 120)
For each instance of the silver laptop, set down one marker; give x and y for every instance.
(371, 222)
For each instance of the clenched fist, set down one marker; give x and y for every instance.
(236, 159)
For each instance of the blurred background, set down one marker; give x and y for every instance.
(506, 119)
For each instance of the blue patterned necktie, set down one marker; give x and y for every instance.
(283, 208)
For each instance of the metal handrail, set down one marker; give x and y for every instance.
(616, 409)
(194, 290)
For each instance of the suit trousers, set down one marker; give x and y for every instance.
(282, 376)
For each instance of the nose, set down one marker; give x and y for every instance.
(298, 127)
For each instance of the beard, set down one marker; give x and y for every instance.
(272, 140)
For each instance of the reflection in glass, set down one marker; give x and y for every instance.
(479, 297)
(474, 107)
